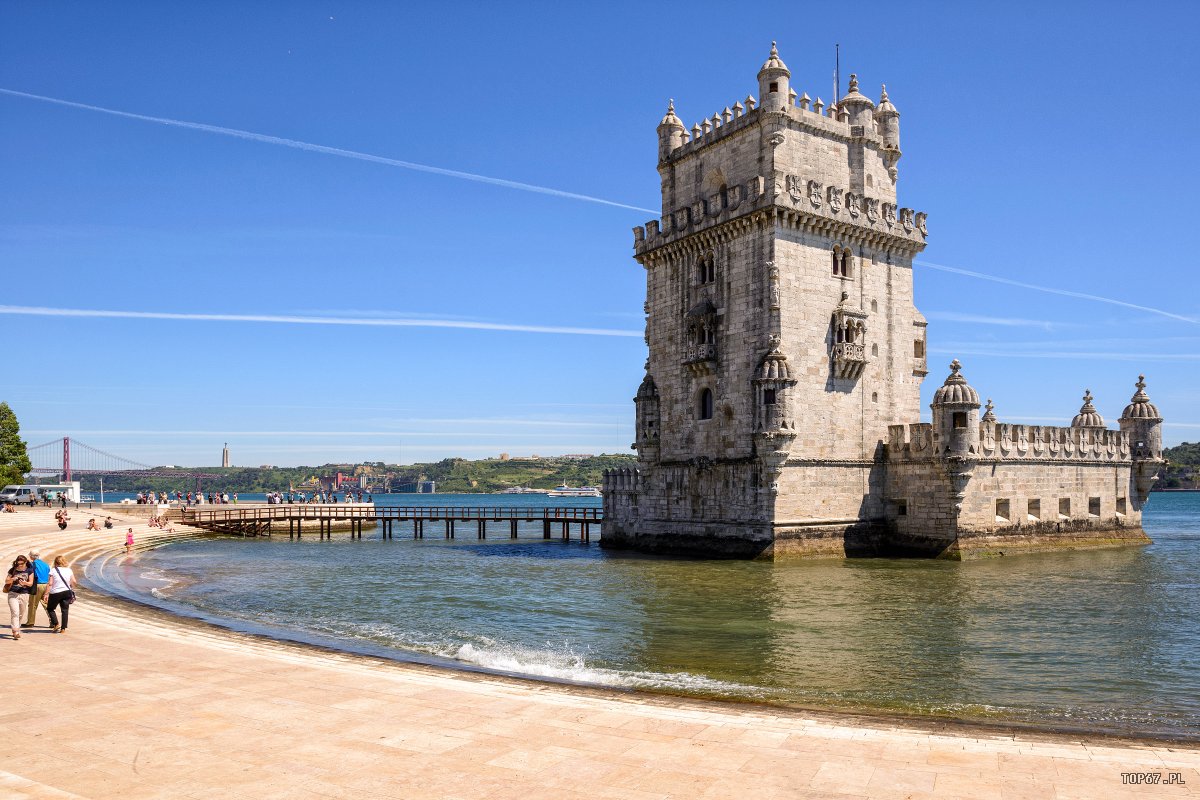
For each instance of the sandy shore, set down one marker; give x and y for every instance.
(134, 703)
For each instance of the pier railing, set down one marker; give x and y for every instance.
(260, 520)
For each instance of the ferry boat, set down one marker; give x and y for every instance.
(522, 490)
(574, 491)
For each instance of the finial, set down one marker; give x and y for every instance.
(853, 82)
(1087, 395)
(988, 416)
(671, 106)
(883, 93)
(1141, 383)
(955, 366)
(774, 52)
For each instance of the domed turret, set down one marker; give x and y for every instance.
(889, 120)
(956, 416)
(857, 105)
(646, 421)
(1143, 423)
(1087, 416)
(774, 83)
(956, 390)
(670, 133)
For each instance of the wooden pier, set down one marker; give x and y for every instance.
(265, 520)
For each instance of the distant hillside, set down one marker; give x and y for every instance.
(1183, 467)
(452, 475)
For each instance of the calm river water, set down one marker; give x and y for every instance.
(1101, 640)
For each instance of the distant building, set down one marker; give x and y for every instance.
(225, 455)
(504, 456)
(780, 410)
(577, 456)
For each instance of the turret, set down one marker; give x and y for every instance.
(888, 120)
(670, 133)
(1143, 423)
(858, 106)
(647, 420)
(956, 416)
(774, 83)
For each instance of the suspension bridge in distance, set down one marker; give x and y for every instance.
(68, 458)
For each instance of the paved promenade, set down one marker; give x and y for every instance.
(132, 703)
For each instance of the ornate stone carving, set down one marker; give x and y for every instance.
(835, 199)
(773, 281)
(921, 216)
(849, 340)
(906, 219)
(795, 188)
(871, 208)
(852, 204)
(814, 194)
(889, 214)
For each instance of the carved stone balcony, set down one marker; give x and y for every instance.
(700, 359)
(849, 359)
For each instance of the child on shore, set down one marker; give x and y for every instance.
(129, 542)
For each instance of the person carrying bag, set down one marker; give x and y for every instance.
(61, 593)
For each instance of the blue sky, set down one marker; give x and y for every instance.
(1051, 146)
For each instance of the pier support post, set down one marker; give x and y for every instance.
(545, 529)
(585, 535)
(482, 529)
(566, 533)
(512, 529)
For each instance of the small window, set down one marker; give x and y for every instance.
(1002, 511)
(874, 349)
(918, 348)
(1093, 506)
(774, 87)
(874, 305)
(1121, 505)
(706, 404)
(768, 397)
(874, 397)
(901, 508)
(1035, 510)
(707, 268)
(960, 419)
(1064, 508)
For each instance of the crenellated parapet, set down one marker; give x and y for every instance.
(801, 202)
(624, 479)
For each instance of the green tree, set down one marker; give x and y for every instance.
(14, 461)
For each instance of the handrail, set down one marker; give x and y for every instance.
(306, 511)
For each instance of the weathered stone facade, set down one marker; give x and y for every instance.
(784, 346)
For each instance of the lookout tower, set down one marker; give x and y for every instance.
(780, 323)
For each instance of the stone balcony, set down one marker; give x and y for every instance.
(700, 359)
(849, 359)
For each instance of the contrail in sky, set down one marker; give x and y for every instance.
(41, 311)
(331, 151)
(1063, 292)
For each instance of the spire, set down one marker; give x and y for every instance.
(988, 416)
(885, 107)
(670, 120)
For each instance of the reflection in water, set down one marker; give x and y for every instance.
(1107, 640)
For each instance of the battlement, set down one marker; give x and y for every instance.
(1006, 441)
(624, 479)
(874, 219)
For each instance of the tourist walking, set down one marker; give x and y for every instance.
(41, 576)
(18, 585)
(129, 541)
(61, 593)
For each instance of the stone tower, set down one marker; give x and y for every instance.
(225, 455)
(782, 335)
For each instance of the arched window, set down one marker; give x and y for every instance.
(707, 268)
(841, 262)
(706, 404)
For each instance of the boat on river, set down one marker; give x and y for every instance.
(574, 491)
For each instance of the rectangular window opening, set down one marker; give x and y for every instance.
(1093, 506)
(1002, 511)
(960, 419)
(1035, 510)
(918, 348)
(1121, 505)
(768, 397)
(901, 508)
(1064, 508)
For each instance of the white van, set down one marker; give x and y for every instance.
(19, 494)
